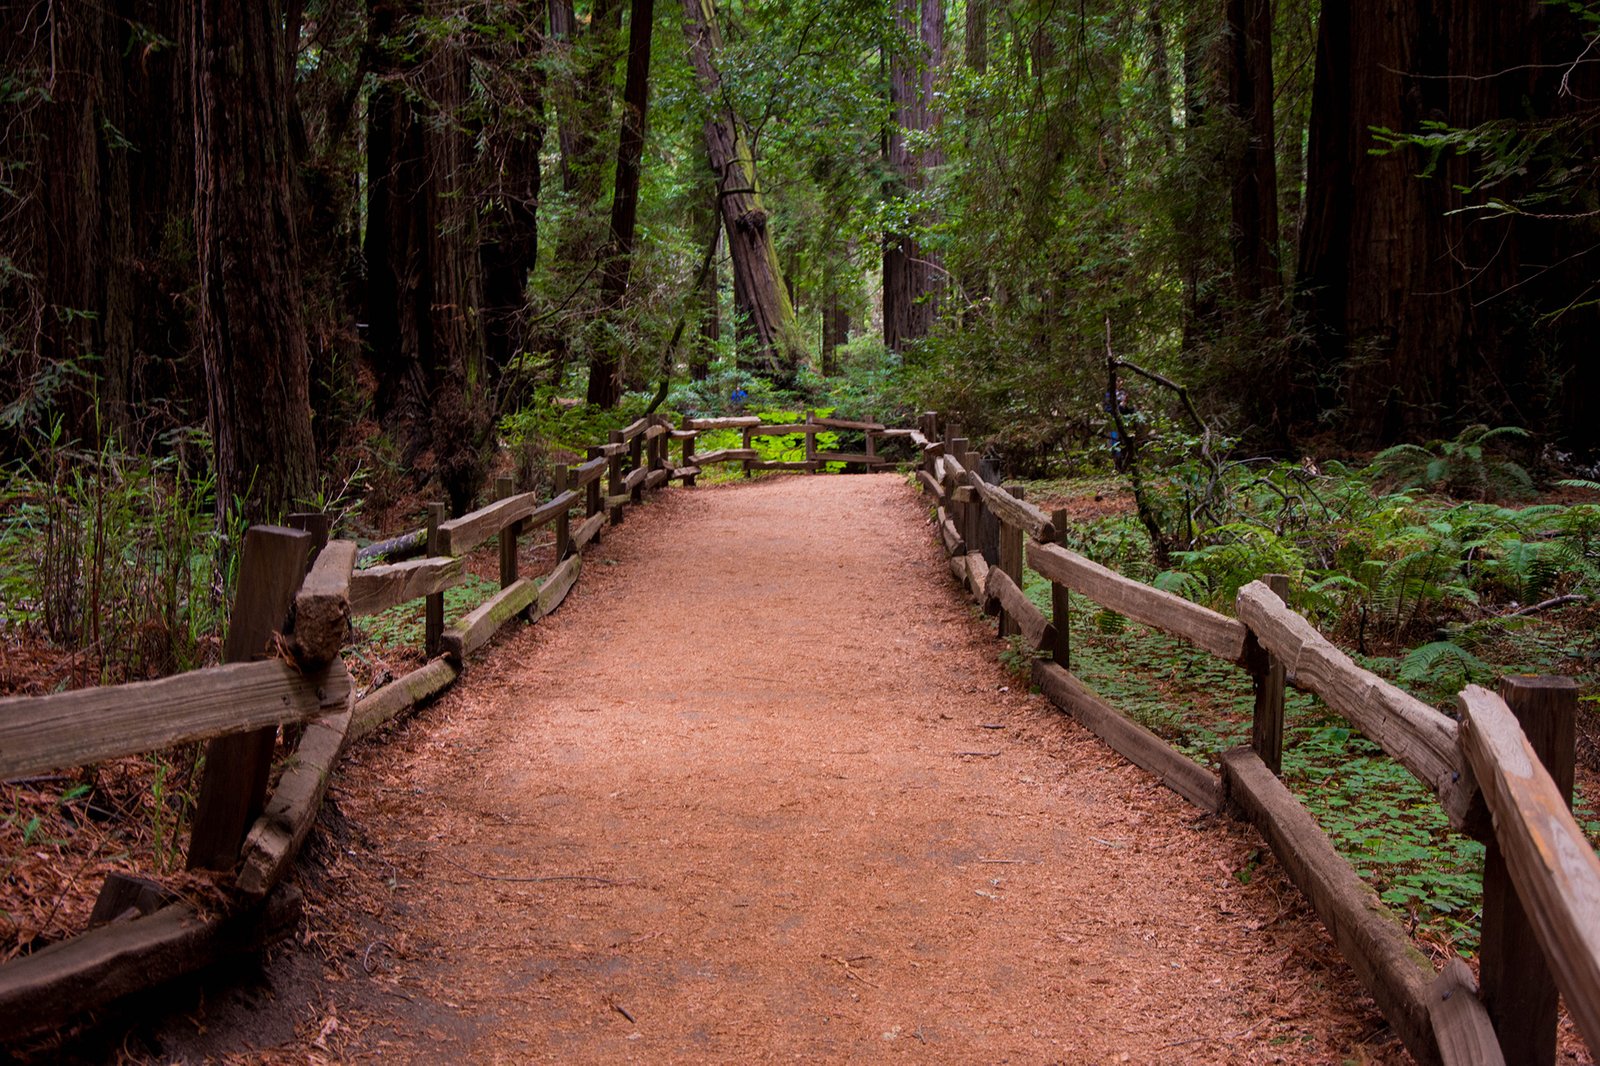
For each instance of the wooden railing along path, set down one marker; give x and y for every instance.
(297, 595)
(1503, 772)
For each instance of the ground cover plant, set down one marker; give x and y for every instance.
(1426, 590)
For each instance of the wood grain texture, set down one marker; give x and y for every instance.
(740, 422)
(725, 455)
(845, 423)
(69, 729)
(1133, 741)
(1416, 735)
(273, 842)
(460, 535)
(852, 457)
(234, 782)
(410, 690)
(1034, 626)
(776, 464)
(958, 569)
(978, 579)
(584, 473)
(322, 606)
(953, 544)
(769, 430)
(1014, 512)
(379, 588)
(44, 991)
(657, 478)
(634, 428)
(634, 480)
(1554, 869)
(1372, 940)
(931, 485)
(1461, 1026)
(475, 629)
(1206, 629)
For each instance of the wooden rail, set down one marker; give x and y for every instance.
(1480, 767)
(1488, 776)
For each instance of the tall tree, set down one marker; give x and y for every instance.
(605, 365)
(251, 326)
(760, 296)
(1253, 162)
(911, 274)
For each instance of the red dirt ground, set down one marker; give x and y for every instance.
(760, 790)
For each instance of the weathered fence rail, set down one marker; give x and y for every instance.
(1541, 923)
(1483, 769)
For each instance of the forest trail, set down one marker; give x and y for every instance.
(761, 790)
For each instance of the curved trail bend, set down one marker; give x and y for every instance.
(760, 790)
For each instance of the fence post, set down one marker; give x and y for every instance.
(1011, 561)
(811, 442)
(688, 452)
(503, 487)
(1267, 679)
(614, 478)
(563, 476)
(317, 523)
(591, 500)
(635, 461)
(234, 786)
(1061, 600)
(1517, 988)
(433, 618)
(749, 442)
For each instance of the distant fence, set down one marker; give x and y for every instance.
(298, 592)
(1502, 773)
(297, 595)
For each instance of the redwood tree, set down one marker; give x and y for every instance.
(760, 295)
(251, 307)
(910, 273)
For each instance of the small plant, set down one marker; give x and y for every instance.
(1466, 467)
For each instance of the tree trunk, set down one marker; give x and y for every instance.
(911, 275)
(708, 296)
(835, 328)
(605, 366)
(251, 305)
(513, 136)
(1253, 163)
(759, 291)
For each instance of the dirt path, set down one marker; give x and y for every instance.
(760, 790)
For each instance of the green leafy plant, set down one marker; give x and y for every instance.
(1466, 466)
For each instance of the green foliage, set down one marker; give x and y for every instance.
(403, 626)
(1465, 467)
(113, 554)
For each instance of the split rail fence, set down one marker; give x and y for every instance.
(1502, 772)
(297, 595)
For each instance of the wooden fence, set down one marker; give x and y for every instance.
(1503, 772)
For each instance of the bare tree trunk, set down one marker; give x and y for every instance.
(1253, 164)
(605, 367)
(759, 291)
(911, 276)
(251, 305)
(513, 137)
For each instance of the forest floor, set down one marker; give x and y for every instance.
(761, 789)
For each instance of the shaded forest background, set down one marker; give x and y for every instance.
(294, 242)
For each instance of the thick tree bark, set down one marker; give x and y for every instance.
(251, 306)
(911, 275)
(759, 292)
(1427, 317)
(425, 287)
(513, 137)
(605, 366)
(1253, 162)
(707, 300)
